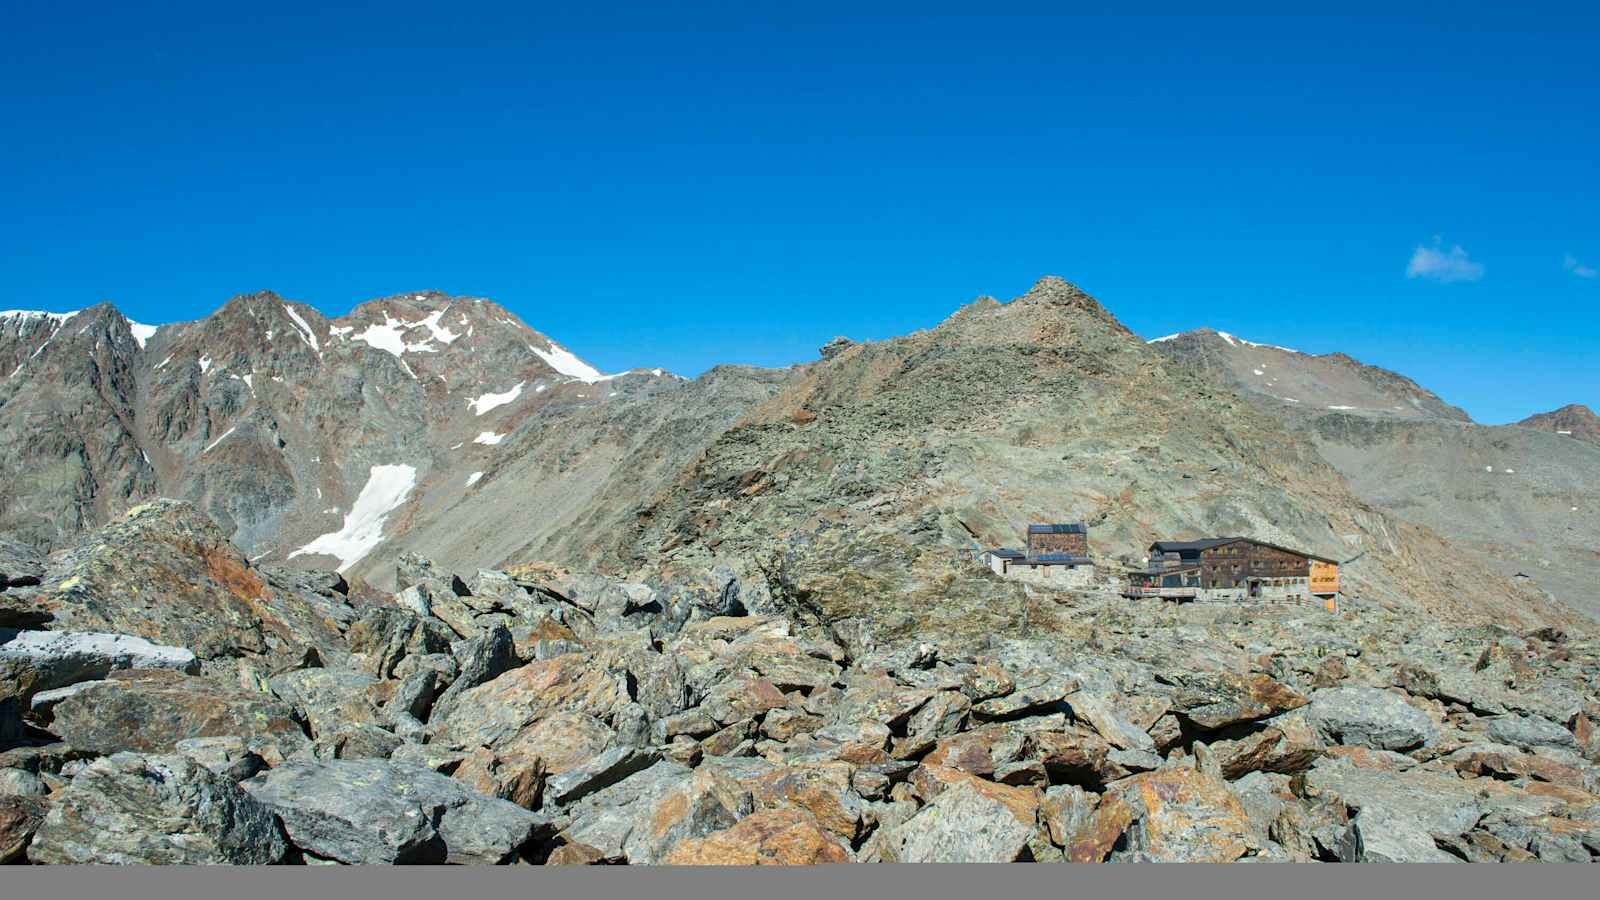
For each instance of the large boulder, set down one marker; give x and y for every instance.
(165, 572)
(20, 564)
(164, 810)
(1170, 815)
(1381, 836)
(328, 700)
(494, 712)
(1369, 717)
(1213, 699)
(33, 662)
(379, 812)
(969, 822)
(642, 818)
(151, 711)
(1529, 732)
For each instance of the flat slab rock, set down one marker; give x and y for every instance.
(151, 711)
(365, 811)
(44, 660)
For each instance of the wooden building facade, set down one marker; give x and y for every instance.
(1233, 568)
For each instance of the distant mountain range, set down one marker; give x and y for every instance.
(853, 484)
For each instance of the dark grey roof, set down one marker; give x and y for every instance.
(1069, 528)
(1008, 553)
(1207, 543)
(1203, 544)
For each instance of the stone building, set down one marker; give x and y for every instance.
(1057, 556)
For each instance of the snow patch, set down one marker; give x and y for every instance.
(219, 440)
(387, 487)
(205, 364)
(474, 478)
(141, 333)
(306, 334)
(1236, 341)
(390, 336)
(563, 361)
(488, 438)
(1341, 407)
(163, 362)
(486, 402)
(1258, 371)
(1164, 338)
(440, 333)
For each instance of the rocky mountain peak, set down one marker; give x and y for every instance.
(1573, 420)
(1054, 291)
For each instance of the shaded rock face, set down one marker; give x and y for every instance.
(155, 810)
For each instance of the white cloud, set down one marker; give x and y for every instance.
(1572, 265)
(1444, 266)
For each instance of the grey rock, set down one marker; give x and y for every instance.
(414, 696)
(20, 564)
(327, 699)
(1378, 836)
(610, 767)
(1443, 805)
(1529, 732)
(45, 660)
(44, 703)
(21, 783)
(385, 636)
(963, 825)
(483, 659)
(1135, 760)
(150, 712)
(1101, 713)
(227, 756)
(167, 810)
(372, 811)
(1369, 717)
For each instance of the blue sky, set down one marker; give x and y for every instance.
(686, 185)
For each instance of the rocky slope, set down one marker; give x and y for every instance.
(865, 487)
(1573, 420)
(1523, 501)
(318, 439)
(549, 716)
(1304, 382)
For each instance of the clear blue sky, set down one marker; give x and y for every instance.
(684, 186)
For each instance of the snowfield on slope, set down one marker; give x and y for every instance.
(387, 487)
